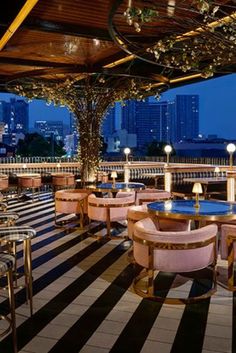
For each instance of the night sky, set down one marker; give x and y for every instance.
(217, 106)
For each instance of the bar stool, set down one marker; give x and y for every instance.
(18, 234)
(7, 263)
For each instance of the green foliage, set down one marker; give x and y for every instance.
(36, 145)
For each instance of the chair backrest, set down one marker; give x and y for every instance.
(136, 213)
(227, 230)
(30, 181)
(97, 207)
(174, 251)
(4, 182)
(70, 200)
(63, 180)
(149, 195)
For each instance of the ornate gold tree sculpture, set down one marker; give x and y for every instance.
(88, 99)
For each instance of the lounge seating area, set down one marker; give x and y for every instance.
(78, 270)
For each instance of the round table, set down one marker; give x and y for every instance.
(114, 188)
(211, 211)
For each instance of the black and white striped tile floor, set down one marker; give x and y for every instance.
(83, 299)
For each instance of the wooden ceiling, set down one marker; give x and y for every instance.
(59, 38)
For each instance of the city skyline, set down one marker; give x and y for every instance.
(217, 106)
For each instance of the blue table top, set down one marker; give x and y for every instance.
(185, 208)
(121, 186)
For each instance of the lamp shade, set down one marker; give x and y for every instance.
(197, 188)
(113, 174)
(24, 166)
(231, 147)
(168, 149)
(217, 170)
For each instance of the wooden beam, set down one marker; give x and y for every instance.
(23, 13)
(33, 63)
(66, 29)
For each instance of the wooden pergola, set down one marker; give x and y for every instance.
(62, 38)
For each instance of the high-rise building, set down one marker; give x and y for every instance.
(148, 120)
(128, 119)
(47, 128)
(15, 115)
(186, 117)
(108, 125)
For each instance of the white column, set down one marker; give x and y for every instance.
(230, 188)
(126, 173)
(167, 180)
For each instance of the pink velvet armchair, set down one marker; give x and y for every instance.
(109, 209)
(228, 251)
(169, 251)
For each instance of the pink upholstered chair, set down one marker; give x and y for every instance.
(29, 182)
(150, 195)
(71, 201)
(228, 251)
(109, 209)
(63, 180)
(169, 251)
(137, 213)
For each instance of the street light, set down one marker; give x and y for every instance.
(127, 152)
(167, 150)
(231, 149)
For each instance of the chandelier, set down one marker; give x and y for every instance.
(191, 36)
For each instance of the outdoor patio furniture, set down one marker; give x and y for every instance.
(109, 209)
(11, 236)
(4, 184)
(7, 263)
(29, 181)
(228, 251)
(150, 195)
(137, 213)
(174, 252)
(71, 201)
(62, 180)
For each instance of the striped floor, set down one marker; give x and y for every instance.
(83, 299)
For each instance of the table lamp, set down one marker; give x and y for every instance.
(114, 176)
(58, 165)
(197, 189)
(168, 150)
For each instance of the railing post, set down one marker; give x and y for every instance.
(231, 175)
(167, 178)
(126, 172)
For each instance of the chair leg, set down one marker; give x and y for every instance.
(12, 308)
(230, 245)
(28, 273)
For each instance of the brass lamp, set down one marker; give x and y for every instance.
(197, 189)
(113, 176)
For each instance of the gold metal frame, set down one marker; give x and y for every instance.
(12, 319)
(148, 291)
(108, 213)
(231, 239)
